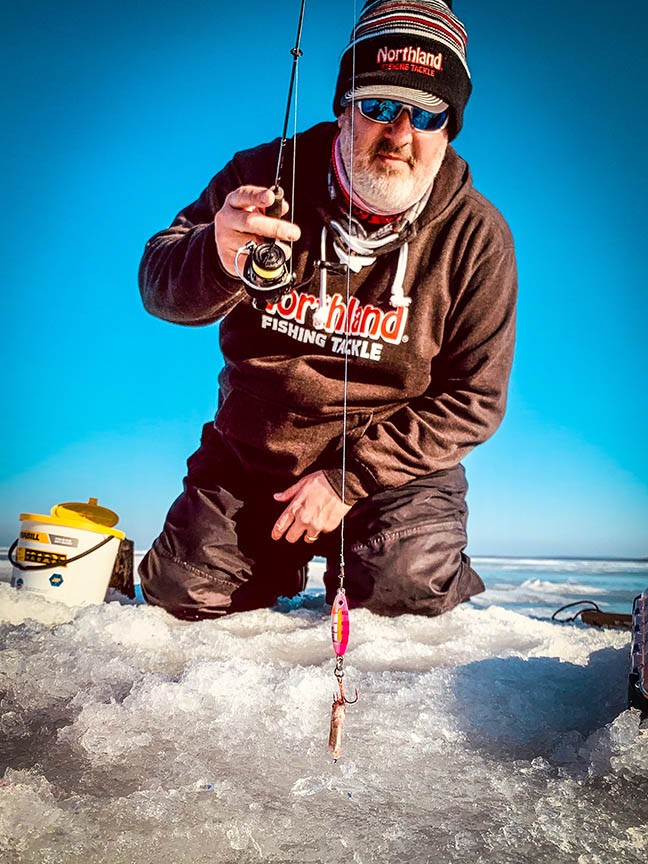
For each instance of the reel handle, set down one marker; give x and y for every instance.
(274, 210)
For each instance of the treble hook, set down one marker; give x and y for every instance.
(343, 697)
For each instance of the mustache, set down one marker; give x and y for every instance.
(384, 147)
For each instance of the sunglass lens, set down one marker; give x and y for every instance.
(426, 121)
(380, 110)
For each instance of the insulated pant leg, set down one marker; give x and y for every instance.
(215, 554)
(404, 548)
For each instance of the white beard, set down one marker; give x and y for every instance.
(380, 188)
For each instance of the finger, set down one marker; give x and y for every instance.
(259, 225)
(282, 524)
(296, 531)
(250, 196)
(290, 492)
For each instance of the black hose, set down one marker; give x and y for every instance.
(578, 614)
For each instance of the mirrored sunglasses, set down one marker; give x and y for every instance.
(388, 111)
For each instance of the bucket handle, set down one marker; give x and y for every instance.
(54, 566)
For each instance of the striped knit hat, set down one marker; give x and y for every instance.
(410, 50)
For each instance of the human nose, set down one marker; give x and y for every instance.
(401, 130)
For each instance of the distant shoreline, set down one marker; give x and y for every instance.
(492, 557)
(615, 560)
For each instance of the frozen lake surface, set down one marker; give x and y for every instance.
(490, 734)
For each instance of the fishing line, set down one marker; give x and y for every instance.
(340, 608)
(347, 327)
(347, 298)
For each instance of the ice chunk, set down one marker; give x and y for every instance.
(482, 735)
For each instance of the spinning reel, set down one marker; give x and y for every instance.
(265, 272)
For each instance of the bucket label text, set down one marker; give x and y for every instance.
(59, 540)
(37, 536)
(39, 556)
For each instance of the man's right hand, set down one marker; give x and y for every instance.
(242, 218)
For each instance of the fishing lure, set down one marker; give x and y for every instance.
(340, 623)
(340, 639)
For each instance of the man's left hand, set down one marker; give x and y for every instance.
(314, 507)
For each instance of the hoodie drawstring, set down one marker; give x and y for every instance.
(319, 318)
(398, 297)
(355, 259)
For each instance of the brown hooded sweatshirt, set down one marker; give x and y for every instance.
(426, 382)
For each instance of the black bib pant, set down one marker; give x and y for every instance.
(404, 547)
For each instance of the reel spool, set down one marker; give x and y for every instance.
(265, 272)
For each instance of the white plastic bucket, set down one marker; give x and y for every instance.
(68, 555)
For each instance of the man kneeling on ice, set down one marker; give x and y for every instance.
(349, 395)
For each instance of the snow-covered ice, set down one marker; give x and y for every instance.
(485, 735)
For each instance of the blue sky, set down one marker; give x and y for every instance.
(116, 115)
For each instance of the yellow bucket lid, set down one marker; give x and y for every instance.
(86, 515)
(88, 511)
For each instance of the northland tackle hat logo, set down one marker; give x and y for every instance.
(409, 59)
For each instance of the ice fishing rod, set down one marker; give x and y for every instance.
(265, 272)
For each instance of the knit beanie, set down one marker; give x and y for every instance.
(413, 51)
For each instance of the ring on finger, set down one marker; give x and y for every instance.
(311, 538)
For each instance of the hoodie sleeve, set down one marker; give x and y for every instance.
(181, 277)
(466, 399)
